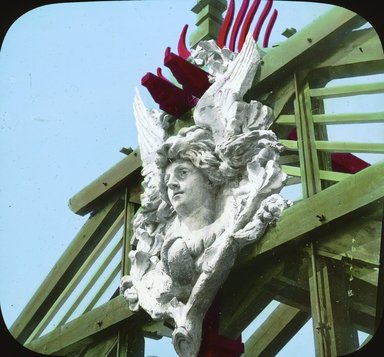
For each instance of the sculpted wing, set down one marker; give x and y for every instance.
(222, 108)
(151, 125)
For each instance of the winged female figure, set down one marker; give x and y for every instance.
(208, 191)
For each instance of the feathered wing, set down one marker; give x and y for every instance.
(147, 239)
(150, 124)
(222, 108)
(243, 141)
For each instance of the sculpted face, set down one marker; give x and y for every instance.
(189, 190)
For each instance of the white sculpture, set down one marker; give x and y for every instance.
(208, 191)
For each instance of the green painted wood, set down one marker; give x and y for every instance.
(356, 239)
(80, 273)
(304, 48)
(209, 12)
(288, 159)
(129, 213)
(334, 146)
(157, 329)
(283, 323)
(354, 118)
(347, 90)
(218, 4)
(92, 281)
(293, 289)
(209, 19)
(291, 170)
(324, 175)
(348, 195)
(77, 333)
(361, 53)
(333, 176)
(102, 288)
(309, 163)
(130, 343)
(329, 119)
(335, 333)
(286, 119)
(251, 289)
(103, 347)
(289, 144)
(61, 274)
(279, 96)
(84, 201)
(206, 30)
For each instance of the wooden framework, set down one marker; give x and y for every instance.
(320, 261)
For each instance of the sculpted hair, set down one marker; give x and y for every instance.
(196, 145)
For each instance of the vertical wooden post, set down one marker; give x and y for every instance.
(333, 331)
(209, 19)
(129, 211)
(309, 164)
(130, 343)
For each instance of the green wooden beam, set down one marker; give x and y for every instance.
(329, 119)
(103, 347)
(353, 118)
(80, 331)
(333, 176)
(286, 119)
(209, 19)
(112, 275)
(310, 45)
(361, 53)
(80, 273)
(65, 269)
(92, 281)
(335, 146)
(130, 343)
(348, 195)
(251, 291)
(273, 334)
(129, 212)
(324, 175)
(363, 296)
(347, 90)
(110, 181)
(309, 161)
(356, 238)
(288, 159)
(335, 334)
(289, 144)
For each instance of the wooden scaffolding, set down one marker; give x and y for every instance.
(320, 261)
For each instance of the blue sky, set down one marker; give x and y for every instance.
(67, 78)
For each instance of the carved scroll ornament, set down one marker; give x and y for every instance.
(208, 191)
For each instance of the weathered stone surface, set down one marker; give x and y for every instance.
(208, 191)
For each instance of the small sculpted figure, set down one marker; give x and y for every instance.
(208, 191)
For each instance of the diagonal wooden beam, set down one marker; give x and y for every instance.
(126, 171)
(283, 323)
(334, 332)
(80, 331)
(306, 45)
(346, 196)
(250, 289)
(65, 269)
